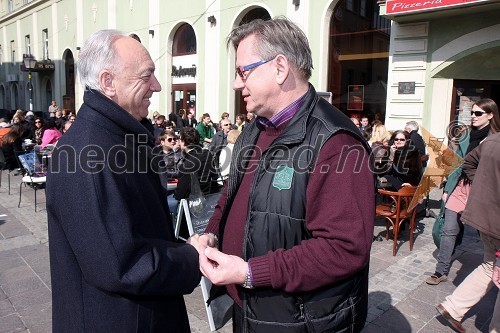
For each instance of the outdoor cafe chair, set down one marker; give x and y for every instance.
(395, 210)
(34, 174)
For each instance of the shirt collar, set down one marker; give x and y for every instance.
(284, 115)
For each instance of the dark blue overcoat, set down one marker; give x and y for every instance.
(115, 265)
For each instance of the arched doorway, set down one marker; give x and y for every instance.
(184, 66)
(253, 14)
(14, 97)
(3, 102)
(48, 95)
(359, 58)
(68, 102)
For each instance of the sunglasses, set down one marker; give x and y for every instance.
(242, 70)
(399, 139)
(477, 113)
(226, 124)
(172, 139)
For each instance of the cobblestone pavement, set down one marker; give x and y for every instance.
(399, 299)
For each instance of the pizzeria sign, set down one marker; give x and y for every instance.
(407, 6)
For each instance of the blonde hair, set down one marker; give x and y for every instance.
(232, 135)
(379, 133)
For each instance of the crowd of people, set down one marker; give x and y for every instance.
(401, 158)
(400, 155)
(30, 130)
(202, 149)
(275, 244)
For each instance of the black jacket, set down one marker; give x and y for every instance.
(186, 123)
(115, 264)
(406, 167)
(199, 162)
(280, 223)
(219, 141)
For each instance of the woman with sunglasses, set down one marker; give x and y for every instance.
(38, 130)
(405, 167)
(485, 120)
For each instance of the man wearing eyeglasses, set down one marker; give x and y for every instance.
(219, 140)
(172, 154)
(294, 225)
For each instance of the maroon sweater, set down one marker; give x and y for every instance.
(340, 213)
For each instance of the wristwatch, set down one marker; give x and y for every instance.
(248, 284)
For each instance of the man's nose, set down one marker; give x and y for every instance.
(155, 84)
(238, 83)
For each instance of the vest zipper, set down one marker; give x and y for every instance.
(304, 316)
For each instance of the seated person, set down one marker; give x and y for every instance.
(405, 162)
(196, 161)
(171, 156)
(226, 153)
(51, 134)
(11, 145)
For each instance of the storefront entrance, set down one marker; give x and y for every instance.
(358, 59)
(184, 97)
(466, 92)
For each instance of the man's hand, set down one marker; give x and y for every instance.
(222, 269)
(194, 240)
(208, 240)
(496, 276)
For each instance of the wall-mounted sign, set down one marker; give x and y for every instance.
(178, 72)
(407, 6)
(356, 99)
(184, 69)
(406, 88)
(41, 66)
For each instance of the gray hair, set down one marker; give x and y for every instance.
(277, 36)
(413, 125)
(97, 53)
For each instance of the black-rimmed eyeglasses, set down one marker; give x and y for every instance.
(477, 113)
(242, 70)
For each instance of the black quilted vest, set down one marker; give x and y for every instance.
(276, 220)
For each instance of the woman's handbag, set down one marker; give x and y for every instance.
(437, 229)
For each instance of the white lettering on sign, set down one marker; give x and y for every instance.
(401, 5)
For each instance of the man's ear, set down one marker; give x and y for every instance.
(106, 83)
(282, 68)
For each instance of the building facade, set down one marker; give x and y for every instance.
(444, 55)
(187, 40)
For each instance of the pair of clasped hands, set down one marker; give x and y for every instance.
(218, 267)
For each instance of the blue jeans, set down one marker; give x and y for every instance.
(172, 204)
(451, 229)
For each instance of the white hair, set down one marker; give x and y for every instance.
(97, 53)
(413, 125)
